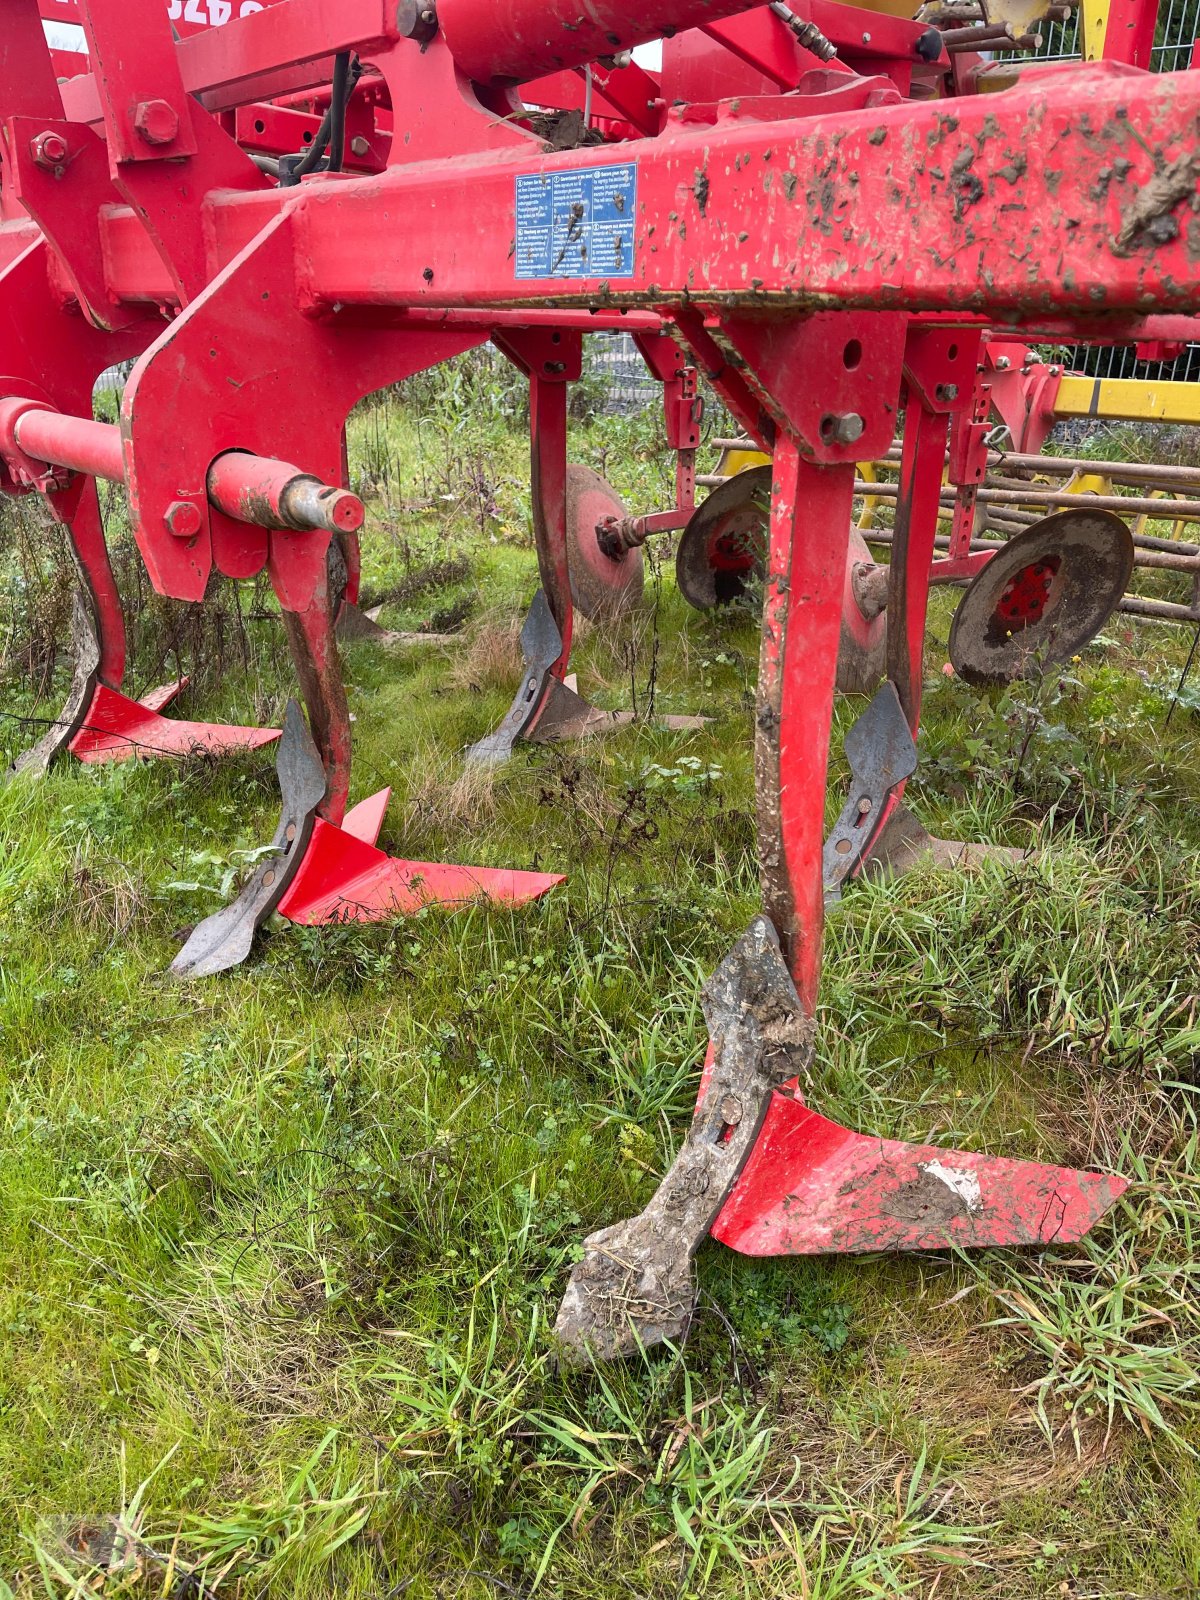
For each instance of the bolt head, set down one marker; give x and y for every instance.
(415, 20)
(1002, 363)
(844, 427)
(946, 391)
(360, 146)
(182, 518)
(49, 150)
(155, 122)
(731, 1110)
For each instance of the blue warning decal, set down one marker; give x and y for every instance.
(576, 224)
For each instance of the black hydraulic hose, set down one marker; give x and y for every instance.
(337, 110)
(308, 162)
(331, 135)
(316, 149)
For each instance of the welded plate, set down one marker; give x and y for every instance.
(224, 940)
(1043, 597)
(811, 1187)
(723, 547)
(601, 587)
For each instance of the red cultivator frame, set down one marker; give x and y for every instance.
(830, 257)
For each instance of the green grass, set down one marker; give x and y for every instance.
(280, 1252)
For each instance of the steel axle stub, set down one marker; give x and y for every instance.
(1043, 597)
(634, 1286)
(224, 939)
(603, 587)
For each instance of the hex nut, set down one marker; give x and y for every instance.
(182, 518)
(156, 122)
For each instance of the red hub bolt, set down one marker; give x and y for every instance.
(182, 519)
(49, 150)
(155, 122)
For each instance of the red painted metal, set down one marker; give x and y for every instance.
(273, 494)
(825, 251)
(77, 509)
(811, 1187)
(802, 619)
(1129, 34)
(344, 878)
(522, 39)
(75, 442)
(119, 729)
(248, 488)
(1022, 390)
(1024, 597)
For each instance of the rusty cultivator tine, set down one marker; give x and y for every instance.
(541, 648)
(634, 1286)
(882, 754)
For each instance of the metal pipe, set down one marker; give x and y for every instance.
(1158, 560)
(1134, 473)
(273, 494)
(1131, 604)
(522, 39)
(1034, 495)
(75, 442)
(976, 34)
(1124, 505)
(1163, 610)
(1131, 472)
(1022, 41)
(256, 489)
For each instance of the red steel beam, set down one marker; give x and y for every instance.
(1061, 196)
(1031, 205)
